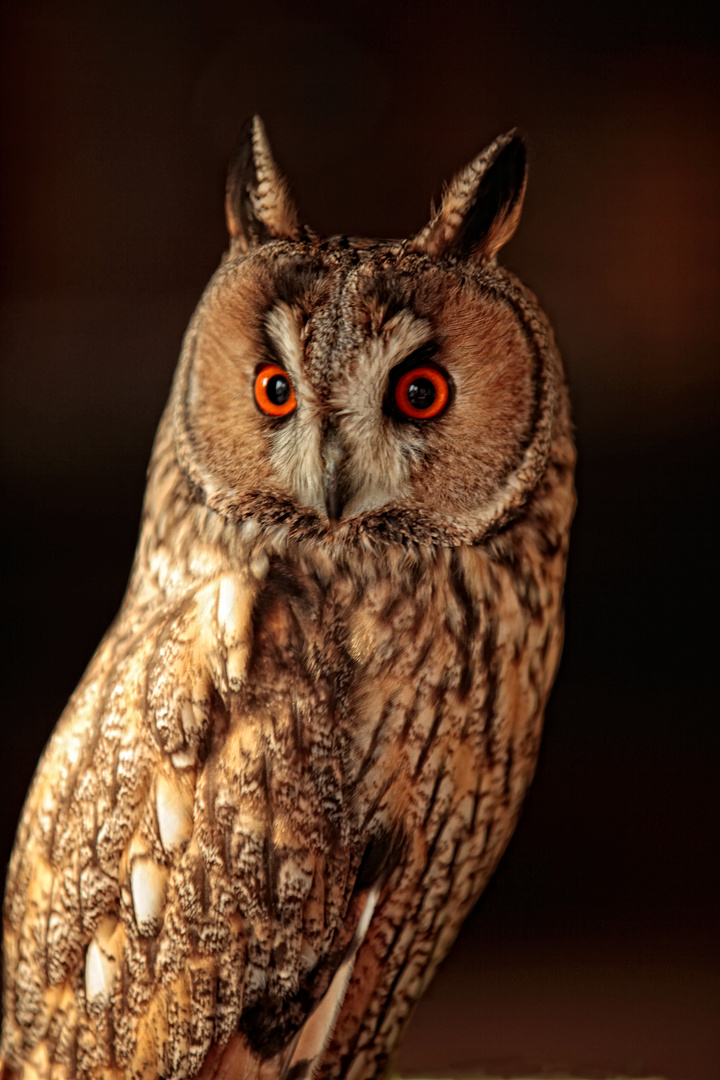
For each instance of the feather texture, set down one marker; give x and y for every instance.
(300, 750)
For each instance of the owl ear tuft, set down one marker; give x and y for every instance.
(258, 204)
(480, 210)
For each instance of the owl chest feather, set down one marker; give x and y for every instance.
(408, 693)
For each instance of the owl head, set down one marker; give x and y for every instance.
(377, 391)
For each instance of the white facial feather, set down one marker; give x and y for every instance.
(377, 454)
(296, 445)
(380, 453)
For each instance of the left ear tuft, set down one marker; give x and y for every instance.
(258, 204)
(481, 208)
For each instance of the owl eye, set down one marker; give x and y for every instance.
(422, 393)
(274, 392)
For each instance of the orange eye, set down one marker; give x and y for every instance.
(422, 393)
(274, 392)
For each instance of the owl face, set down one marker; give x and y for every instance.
(340, 388)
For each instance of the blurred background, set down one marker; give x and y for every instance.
(595, 948)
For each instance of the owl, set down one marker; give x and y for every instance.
(300, 750)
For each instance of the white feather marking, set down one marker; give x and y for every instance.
(183, 759)
(148, 882)
(98, 979)
(174, 815)
(101, 963)
(315, 1034)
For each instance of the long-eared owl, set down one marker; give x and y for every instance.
(300, 750)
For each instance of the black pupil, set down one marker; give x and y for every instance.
(278, 389)
(421, 394)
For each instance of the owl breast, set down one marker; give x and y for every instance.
(431, 673)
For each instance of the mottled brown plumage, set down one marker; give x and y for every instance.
(300, 750)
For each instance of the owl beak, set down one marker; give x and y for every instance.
(333, 482)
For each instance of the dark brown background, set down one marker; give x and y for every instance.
(594, 947)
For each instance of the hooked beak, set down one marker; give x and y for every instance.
(334, 482)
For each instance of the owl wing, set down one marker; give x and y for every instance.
(182, 881)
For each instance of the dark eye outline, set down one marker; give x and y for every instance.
(262, 377)
(418, 365)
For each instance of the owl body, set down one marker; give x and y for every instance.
(298, 754)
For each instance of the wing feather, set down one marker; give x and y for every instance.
(313, 1038)
(183, 879)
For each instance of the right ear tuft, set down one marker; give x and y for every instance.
(481, 208)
